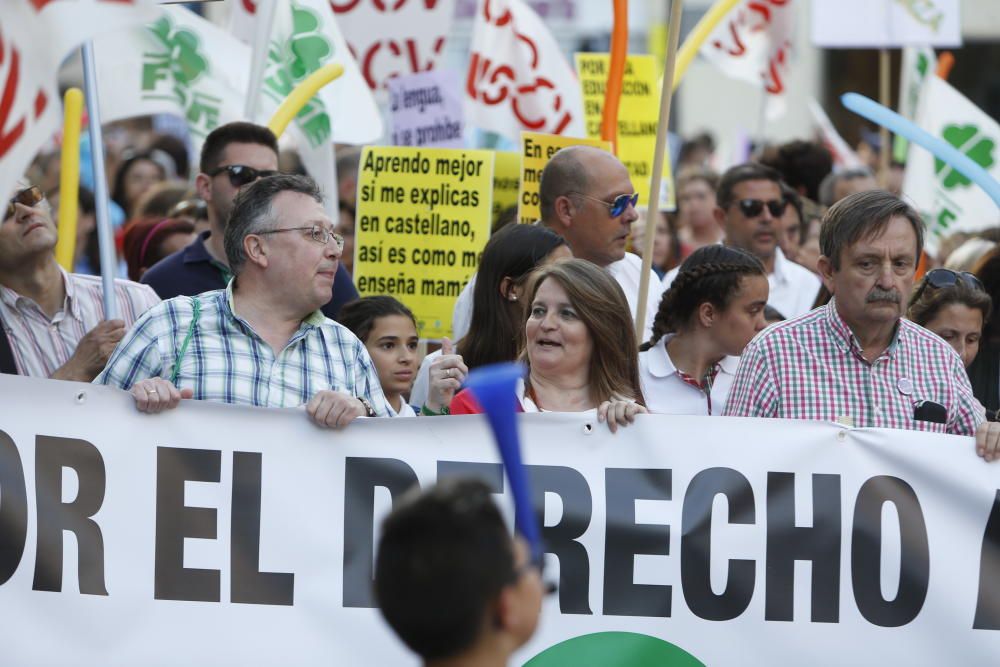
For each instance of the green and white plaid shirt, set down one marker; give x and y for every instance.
(226, 361)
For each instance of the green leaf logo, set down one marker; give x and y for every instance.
(187, 63)
(614, 649)
(970, 140)
(309, 48)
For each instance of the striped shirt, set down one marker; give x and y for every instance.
(226, 361)
(41, 345)
(811, 367)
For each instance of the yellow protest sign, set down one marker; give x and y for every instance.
(536, 150)
(638, 116)
(506, 181)
(423, 217)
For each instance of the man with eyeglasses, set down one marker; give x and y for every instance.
(233, 156)
(53, 322)
(749, 209)
(449, 579)
(857, 361)
(262, 340)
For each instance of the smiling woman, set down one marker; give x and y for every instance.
(580, 347)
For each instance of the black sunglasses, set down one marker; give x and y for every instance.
(938, 278)
(751, 208)
(240, 174)
(29, 197)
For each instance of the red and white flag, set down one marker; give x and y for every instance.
(35, 37)
(753, 43)
(518, 79)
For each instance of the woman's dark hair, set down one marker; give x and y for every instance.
(988, 272)
(143, 238)
(497, 327)
(711, 274)
(927, 301)
(118, 189)
(359, 315)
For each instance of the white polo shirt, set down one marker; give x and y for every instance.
(666, 393)
(793, 286)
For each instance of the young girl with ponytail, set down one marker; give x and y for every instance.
(711, 311)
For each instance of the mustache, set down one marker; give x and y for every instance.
(878, 294)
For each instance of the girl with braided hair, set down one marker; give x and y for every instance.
(711, 311)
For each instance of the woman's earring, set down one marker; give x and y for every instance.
(512, 297)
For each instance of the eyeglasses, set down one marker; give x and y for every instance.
(938, 278)
(618, 205)
(27, 197)
(751, 208)
(548, 587)
(189, 208)
(240, 174)
(317, 233)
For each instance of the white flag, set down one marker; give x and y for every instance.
(35, 37)
(518, 79)
(181, 64)
(843, 155)
(918, 63)
(949, 201)
(753, 43)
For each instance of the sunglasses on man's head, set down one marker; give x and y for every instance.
(240, 174)
(29, 197)
(751, 208)
(618, 205)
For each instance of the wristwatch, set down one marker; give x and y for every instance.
(368, 406)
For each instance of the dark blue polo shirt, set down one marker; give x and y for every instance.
(192, 271)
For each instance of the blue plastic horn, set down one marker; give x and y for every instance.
(494, 388)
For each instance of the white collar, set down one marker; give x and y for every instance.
(780, 272)
(661, 366)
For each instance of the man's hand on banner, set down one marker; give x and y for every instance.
(988, 440)
(156, 395)
(332, 409)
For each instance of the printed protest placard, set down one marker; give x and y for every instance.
(536, 150)
(638, 114)
(423, 218)
(426, 109)
(506, 181)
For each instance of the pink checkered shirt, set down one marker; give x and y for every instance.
(811, 367)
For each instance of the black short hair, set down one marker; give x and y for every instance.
(359, 315)
(444, 556)
(251, 212)
(238, 132)
(750, 171)
(864, 215)
(802, 164)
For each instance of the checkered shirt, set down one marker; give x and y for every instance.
(227, 361)
(811, 367)
(41, 345)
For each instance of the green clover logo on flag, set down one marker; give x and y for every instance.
(186, 60)
(309, 48)
(970, 140)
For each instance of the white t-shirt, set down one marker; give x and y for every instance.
(793, 287)
(626, 271)
(666, 393)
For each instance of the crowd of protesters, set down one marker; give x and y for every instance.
(777, 286)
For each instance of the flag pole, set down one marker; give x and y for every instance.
(883, 131)
(653, 208)
(263, 25)
(105, 238)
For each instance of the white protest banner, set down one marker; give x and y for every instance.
(877, 24)
(947, 200)
(518, 78)
(394, 38)
(426, 109)
(181, 65)
(35, 38)
(918, 63)
(754, 44)
(225, 535)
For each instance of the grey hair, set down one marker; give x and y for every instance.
(252, 212)
(864, 215)
(828, 187)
